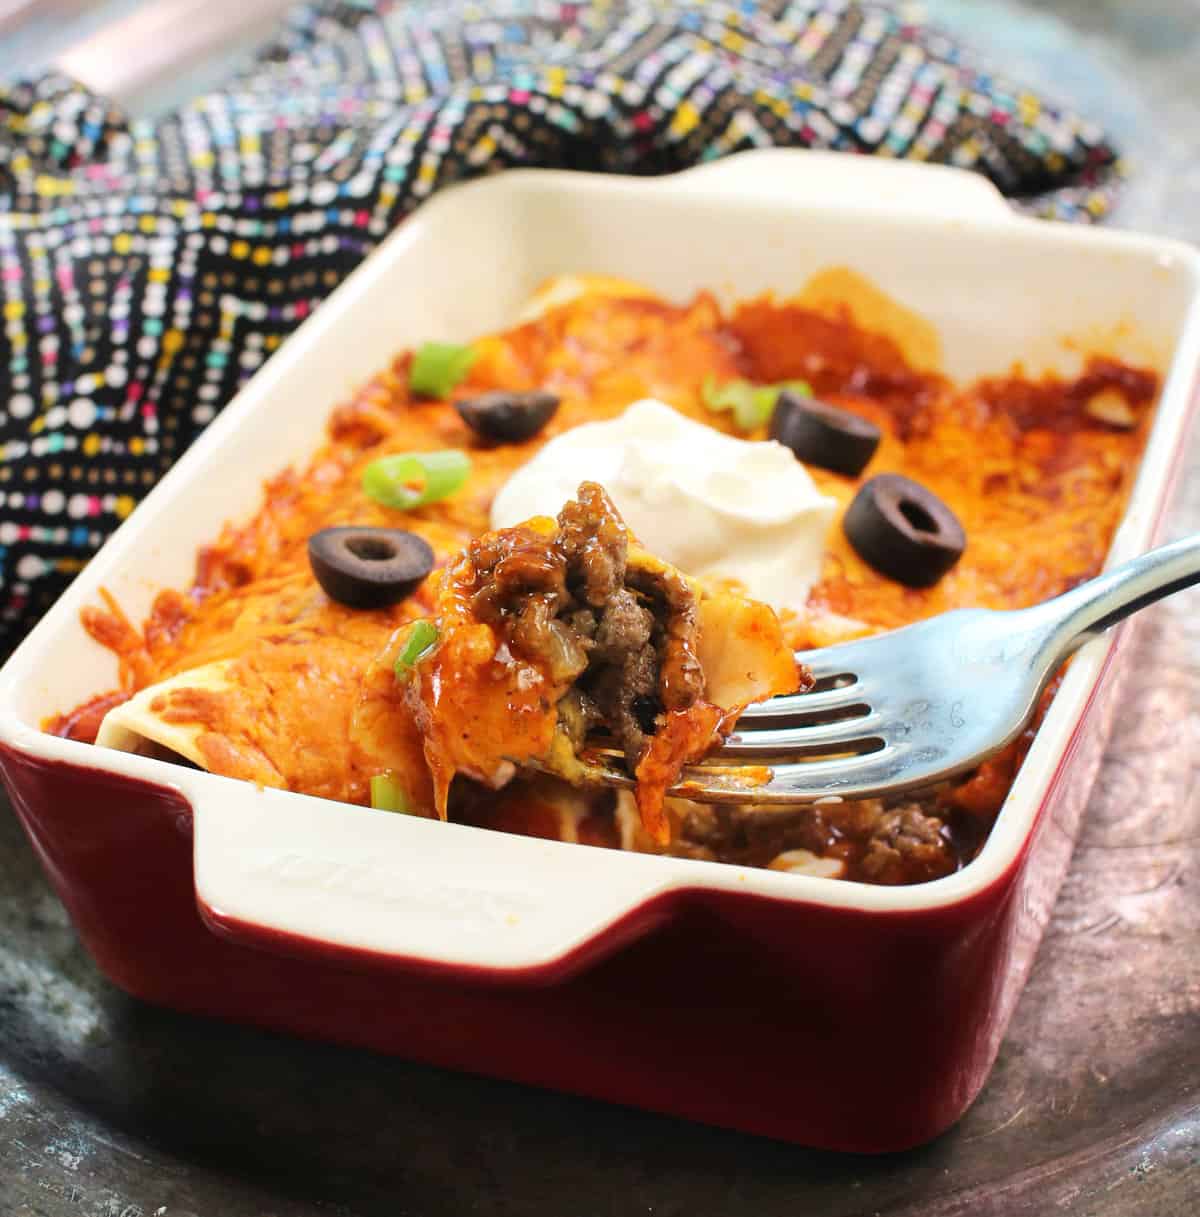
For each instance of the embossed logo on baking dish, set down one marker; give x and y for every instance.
(484, 904)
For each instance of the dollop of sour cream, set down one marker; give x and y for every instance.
(714, 506)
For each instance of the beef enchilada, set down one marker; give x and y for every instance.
(628, 602)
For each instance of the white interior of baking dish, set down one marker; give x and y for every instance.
(998, 289)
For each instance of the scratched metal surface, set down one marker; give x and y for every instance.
(111, 1109)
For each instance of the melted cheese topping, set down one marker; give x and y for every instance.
(307, 700)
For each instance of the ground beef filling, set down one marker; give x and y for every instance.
(621, 634)
(882, 842)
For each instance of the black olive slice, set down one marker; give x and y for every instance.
(508, 418)
(821, 434)
(904, 530)
(369, 568)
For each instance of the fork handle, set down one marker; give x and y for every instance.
(1094, 606)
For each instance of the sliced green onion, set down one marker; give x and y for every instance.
(412, 479)
(388, 795)
(422, 638)
(438, 366)
(750, 404)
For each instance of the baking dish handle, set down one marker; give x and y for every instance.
(300, 875)
(812, 176)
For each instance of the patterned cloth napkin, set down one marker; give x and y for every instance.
(148, 268)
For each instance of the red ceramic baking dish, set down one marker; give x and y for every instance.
(831, 1013)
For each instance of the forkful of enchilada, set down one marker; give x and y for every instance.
(879, 716)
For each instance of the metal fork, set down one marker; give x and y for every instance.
(921, 704)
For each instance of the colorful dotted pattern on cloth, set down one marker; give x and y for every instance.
(147, 269)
